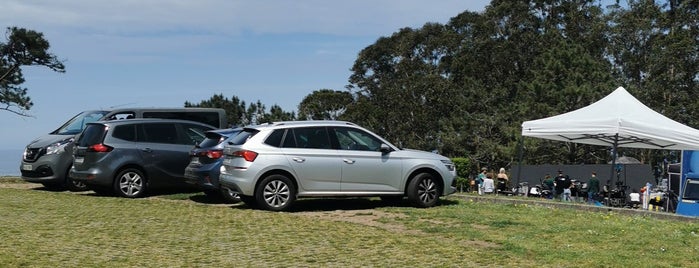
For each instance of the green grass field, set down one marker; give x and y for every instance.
(40, 228)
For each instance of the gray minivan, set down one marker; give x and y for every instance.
(47, 159)
(128, 157)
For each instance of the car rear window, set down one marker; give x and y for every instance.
(93, 134)
(243, 136)
(212, 139)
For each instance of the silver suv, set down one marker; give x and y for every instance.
(271, 165)
(130, 156)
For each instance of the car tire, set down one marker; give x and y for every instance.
(229, 196)
(130, 183)
(424, 190)
(275, 193)
(73, 185)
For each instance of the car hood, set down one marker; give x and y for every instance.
(422, 154)
(47, 140)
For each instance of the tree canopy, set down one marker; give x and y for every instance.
(464, 88)
(22, 48)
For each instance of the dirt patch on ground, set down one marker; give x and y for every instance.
(20, 185)
(369, 217)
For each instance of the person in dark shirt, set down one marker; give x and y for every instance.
(563, 186)
(548, 184)
(592, 188)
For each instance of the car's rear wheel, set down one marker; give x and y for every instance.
(229, 196)
(276, 193)
(130, 183)
(424, 190)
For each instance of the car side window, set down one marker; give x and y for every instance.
(312, 138)
(290, 140)
(356, 139)
(159, 133)
(125, 132)
(275, 139)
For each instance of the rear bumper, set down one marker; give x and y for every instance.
(92, 176)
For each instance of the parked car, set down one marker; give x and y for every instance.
(271, 165)
(129, 157)
(205, 164)
(48, 159)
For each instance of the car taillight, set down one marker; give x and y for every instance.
(245, 154)
(100, 148)
(214, 154)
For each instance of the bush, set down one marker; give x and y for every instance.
(462, 171)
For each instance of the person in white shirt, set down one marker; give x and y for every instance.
(488, 185)
(635, 198)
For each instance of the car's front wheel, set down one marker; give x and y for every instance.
(424, 190)
(73, 185)
(130, 183)
(276, 193)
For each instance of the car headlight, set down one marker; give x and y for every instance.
(58, 147)
(450, 165)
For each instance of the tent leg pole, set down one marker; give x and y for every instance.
(611, 175)
(519, 166)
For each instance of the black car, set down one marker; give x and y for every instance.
(205, 164)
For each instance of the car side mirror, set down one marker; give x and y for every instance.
(385, 149)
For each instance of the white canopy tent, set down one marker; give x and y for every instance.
(617, 120)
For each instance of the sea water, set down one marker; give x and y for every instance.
(10, 160)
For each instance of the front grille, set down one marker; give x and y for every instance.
(42, 171)
(32, 154)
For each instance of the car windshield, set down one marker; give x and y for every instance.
(76, 124)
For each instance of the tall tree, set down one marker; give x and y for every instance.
(22, 48)
(324, 104)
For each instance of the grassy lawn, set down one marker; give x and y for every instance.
(62, 229)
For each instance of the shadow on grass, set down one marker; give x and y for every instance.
(343, 203)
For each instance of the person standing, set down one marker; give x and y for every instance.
(592, 188)
(549, 184)
(479, 180)
(563, 186)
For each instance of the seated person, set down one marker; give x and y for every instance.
(488, 184)
(635, 198)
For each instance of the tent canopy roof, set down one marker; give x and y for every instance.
(619, 113)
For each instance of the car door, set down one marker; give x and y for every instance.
(364, 167)
(165, 156)
(313, 160)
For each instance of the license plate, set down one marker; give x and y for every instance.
(26, 167)
(78, 160)
(195, 160)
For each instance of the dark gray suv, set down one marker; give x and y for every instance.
(130, 156)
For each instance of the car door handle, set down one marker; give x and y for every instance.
(298, 159)
(348, 161)
(147, 150)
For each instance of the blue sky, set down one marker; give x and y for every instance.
(161, 53)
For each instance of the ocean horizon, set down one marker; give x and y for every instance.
(9, 161)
